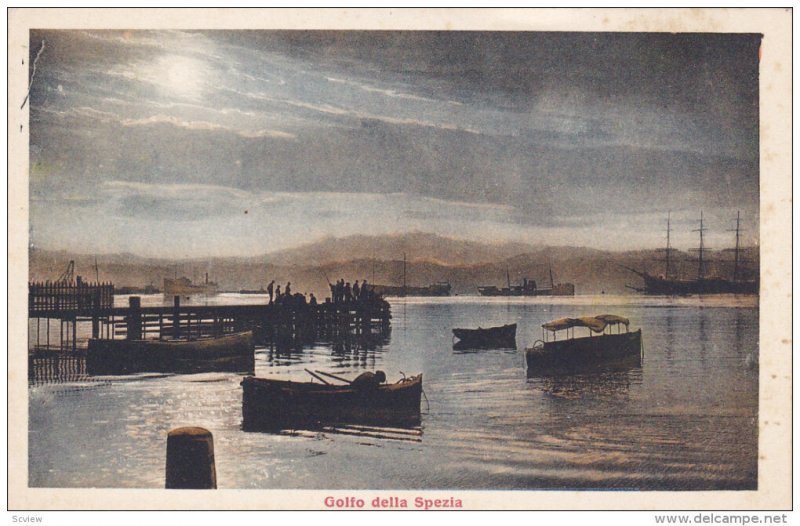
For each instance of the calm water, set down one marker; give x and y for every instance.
(687, 419)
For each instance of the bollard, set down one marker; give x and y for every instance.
(176, 317)
(190, 459)
(134, 321)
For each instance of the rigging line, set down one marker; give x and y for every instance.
(33, 74)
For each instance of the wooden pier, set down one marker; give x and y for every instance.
(69, 302)
(271, 323)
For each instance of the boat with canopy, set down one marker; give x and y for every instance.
(606, 343)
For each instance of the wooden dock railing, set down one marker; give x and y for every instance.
(62, 300)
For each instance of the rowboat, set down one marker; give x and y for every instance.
(229, 353)
(591, 352)
(489, 338)
(272, 405)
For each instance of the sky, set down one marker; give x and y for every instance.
(238, 143)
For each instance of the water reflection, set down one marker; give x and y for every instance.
(56, 367)
(369, 435)
(669, 339)
(466, 349)
(579, 386)
(360, 343)
(703, 336)
(670, 422)
(344, 348)
(608, 379)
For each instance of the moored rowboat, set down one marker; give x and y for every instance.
(272, 405)
(491, 337)
(231, 352)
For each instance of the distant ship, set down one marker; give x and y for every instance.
(669, 286)
(149, 289)
(252, 291)
(440, 288)
(528, 288)
(184, 287)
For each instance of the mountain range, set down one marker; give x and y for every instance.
(429, 258)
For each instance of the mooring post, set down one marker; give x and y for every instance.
(176, 317)
(134, 320)
(96, 313)
(190, 459)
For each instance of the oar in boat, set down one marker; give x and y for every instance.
(318, 377)
(335, 377)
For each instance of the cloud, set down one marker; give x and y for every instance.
(176, 220)
(205, 126)
(388, 92)
(368, 116)
(543, 135)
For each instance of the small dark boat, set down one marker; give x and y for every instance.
(489, 338)
(272, 405)
(229, 353)
(586, 353)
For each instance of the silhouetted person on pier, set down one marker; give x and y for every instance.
(340, 291)
(271, 289)
(364, 296)
(348, 293)
(356, 291)
(288, 288)
(299, 300)
(368, 381)
(333, 292)
(313, 300)
(278, 293)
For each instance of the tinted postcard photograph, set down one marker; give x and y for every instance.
(493, 264)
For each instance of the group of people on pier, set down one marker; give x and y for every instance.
(343, 292)
(286, 297)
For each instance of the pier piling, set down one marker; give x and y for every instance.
(134, 318)
(176, 317)
(190, 459)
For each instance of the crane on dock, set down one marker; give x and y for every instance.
(68, 276)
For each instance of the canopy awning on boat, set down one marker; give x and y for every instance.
(594, 323)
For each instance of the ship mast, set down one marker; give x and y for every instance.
(404, 274)
(666, 256)
(700, 262)
(736, 250)
(667, 259)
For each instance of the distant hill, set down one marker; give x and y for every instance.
(465, 264)
(417, 246)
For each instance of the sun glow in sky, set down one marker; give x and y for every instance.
(181, 76)
(156, 142)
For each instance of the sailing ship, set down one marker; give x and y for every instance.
(528, 288)
(703, 284)
(440, 288)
